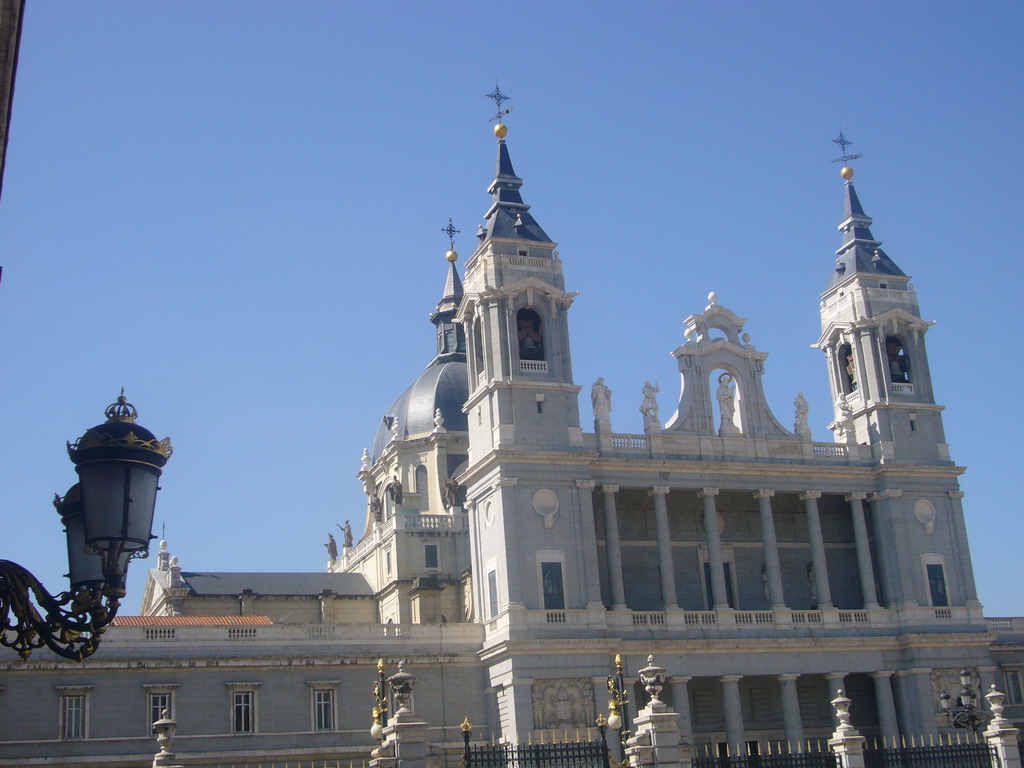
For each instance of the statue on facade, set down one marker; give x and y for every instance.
(843, 425)
(649, 406)
(347, 532)
(726, 396)
(812, 585)
(601, 400)
(376, 508)
(450, 497)
(395, 490)
(332, 547)
(802, 407)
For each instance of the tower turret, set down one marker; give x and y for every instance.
(873, 339)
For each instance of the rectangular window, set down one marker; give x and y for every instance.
(1013, 691)
(243, 704)
(430, 555)
(554, 591)
(323, 709)
(937, 585)
(158, 703)
(492, 593)
(387, 562)
(72, 716)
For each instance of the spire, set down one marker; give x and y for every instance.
(860, 252)
(451, 339)
(508, 217)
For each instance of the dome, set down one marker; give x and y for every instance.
(441, 385)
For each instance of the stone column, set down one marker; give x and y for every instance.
(734, 732)
(791, 711)
(719, 596)
(1000, 733)
(668, 571)
(612, 551)
(771, 548)
(681, 701)
(835, 681)
(860, 536)
(887, 722)
(810, 499)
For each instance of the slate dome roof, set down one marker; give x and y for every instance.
(441, 385)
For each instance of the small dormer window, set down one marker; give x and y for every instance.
(523, 253)
(883, 285)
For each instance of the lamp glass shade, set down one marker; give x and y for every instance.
(965, 678)
(119, 498)
(85, 568)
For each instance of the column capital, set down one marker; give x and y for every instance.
(586, 485)
(787, 676)
(609, 489)
(855, 496)
(810, 495)
(707, 492)
(764, 493)
(660, 490)
(881, 673)
(730, 678)
(836, 675)
(683, 679)
(891, 493)
(955, 494)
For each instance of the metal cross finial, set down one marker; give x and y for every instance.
(498, 98)
(843, 143)
(451, 231)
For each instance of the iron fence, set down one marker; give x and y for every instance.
(823, 759)
(579, 754)
(979, 755)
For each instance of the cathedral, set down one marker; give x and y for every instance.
(510, 547)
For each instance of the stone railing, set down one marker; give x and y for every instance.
(533, 366)
(901, 388)
(1006, 624)
(402, 521)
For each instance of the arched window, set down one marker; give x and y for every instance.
(531, 341)
(421, 487)
(847, 369)
(897, 360)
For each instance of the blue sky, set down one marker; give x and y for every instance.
(233, 210)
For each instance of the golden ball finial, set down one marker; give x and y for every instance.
(501, 130)
(452, 256)
(847, 172)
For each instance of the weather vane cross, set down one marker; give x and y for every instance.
(843, 143)
(498, 97)
(451, 231)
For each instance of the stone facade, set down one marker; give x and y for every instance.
(507, 554)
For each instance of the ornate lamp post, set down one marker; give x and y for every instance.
(108, 520)
(966, 713)
(618, 712)
(380, 703)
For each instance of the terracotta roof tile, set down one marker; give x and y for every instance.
(191, 621)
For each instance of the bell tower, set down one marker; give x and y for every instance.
(873, 337)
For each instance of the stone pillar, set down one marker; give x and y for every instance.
(917, 702)
(656, 739)
(791, 711)
(810, 499)
(860, 536)
(846, 742)
(668, 571)
(681, 701)
(612, 550)
(1000, 734)
(835, 681)
(734, 732)
(771, 548)
(887, 722)
(405, 736)
(719, 596)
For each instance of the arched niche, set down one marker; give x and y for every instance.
(726, 391)
(897, 360)
(530, 334)
(847, 368)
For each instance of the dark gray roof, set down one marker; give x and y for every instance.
(210, 583)
(441, 385)
(509, 217)
(860, 252)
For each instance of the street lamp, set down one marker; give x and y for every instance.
(966, 713)
(618, 709)
(108, 521)
(380, 704)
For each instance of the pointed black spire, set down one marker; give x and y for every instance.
(509, 217)
(451, 339)
(860, 252)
